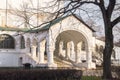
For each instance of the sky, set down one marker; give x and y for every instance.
(33, 3)
(17, 4)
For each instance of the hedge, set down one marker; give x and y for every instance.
(40, 74)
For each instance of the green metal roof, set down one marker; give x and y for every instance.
(13, 29)
(46, 27)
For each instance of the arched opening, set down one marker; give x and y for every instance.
(35, 44)
(22, 42)
(28, 45)
(66, 46)
(7, 41)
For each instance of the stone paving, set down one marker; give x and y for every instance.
(92, 73)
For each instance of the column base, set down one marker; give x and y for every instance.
(52, 65)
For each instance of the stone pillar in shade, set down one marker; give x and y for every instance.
(78, 51)
(33, 51)
(41, 51)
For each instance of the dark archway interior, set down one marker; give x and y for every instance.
(68, 36)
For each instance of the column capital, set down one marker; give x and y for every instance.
(33, 46)
(51, 49)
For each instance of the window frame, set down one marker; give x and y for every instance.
(7, 41)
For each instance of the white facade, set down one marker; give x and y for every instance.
(69, 40)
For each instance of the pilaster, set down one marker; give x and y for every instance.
(33, 51)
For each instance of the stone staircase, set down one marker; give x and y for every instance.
(65, 63)
(62, 63)
(27, 58)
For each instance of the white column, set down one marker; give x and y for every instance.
(41, 51)
(33, 51)
(77, 56)
(68, 50)
(50, 56)
(79, 46)
(90, 64)
(17, 40)
(89, 55)
(72, 51)
(60, 48)
(50, 50)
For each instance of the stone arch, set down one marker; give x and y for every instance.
(56, 34)
(22, 42)
(28, 44)
(34, 47)
(7, 41)
(68, 36)
(34, 42)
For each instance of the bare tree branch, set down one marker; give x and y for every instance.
(111, 7)
(116, 21)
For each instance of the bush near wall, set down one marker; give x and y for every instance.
(40, 74)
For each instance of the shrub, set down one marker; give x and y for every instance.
(40, 74)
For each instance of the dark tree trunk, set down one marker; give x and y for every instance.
(107, 52)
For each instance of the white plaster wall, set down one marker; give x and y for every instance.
(117, 49)
(9, 59)
(42, 35)
(99, 42)
(117, 52)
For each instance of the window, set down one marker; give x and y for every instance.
(37, 51)
(7, 42)
(22, 42)
(28, 44)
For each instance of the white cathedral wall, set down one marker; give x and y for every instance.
(117, 51)
(9, 59)
(116, 60)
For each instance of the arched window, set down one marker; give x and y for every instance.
(34, 43)
(29, 44)
(37, 51)
(6, 42)
(22, 42)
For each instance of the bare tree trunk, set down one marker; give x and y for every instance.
(107, 53)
